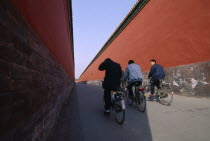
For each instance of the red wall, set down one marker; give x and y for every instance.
(173, 32)
(49, 20)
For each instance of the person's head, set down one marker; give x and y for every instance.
(152, 62)
(107, 60)
(130, 62)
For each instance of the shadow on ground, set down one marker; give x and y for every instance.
(83, 120)
(68, 127)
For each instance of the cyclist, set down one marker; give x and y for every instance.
(133, 74)
(156, 75)
(111, 80)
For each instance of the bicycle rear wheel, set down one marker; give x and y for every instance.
(129, 99)
(141, 101)
(119, 111)
(165, 95)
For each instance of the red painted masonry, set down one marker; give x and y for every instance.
(173, 32)
(49, 20)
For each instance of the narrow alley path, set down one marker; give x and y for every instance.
(188, 119)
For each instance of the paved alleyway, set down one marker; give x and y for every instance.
(188, 119)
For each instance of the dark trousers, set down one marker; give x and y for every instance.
(107, 98)
(153, 84)
(131, 85)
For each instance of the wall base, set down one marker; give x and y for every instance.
(187, 80)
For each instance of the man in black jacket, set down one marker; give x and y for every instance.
(156, 74)
(111, 80)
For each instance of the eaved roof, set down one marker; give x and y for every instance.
(138, 6)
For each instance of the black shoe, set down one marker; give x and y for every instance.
(151, 97)
(106, 112)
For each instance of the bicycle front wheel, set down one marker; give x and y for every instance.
(119, 111)
(147, 92)
(165, 95)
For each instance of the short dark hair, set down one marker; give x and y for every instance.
(130, 62)
(153, 60)
(107, 59)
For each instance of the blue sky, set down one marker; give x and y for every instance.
(94, 21)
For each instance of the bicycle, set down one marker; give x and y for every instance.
(164, 94)
(118, 106)
(138, 97)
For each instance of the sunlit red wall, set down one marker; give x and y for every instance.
(173, 32)
(49, 20)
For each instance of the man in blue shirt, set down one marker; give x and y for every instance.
(156, 74)
(133, 74)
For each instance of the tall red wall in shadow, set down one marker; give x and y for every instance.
(49, 20)
(34, 86)
(174, 33)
